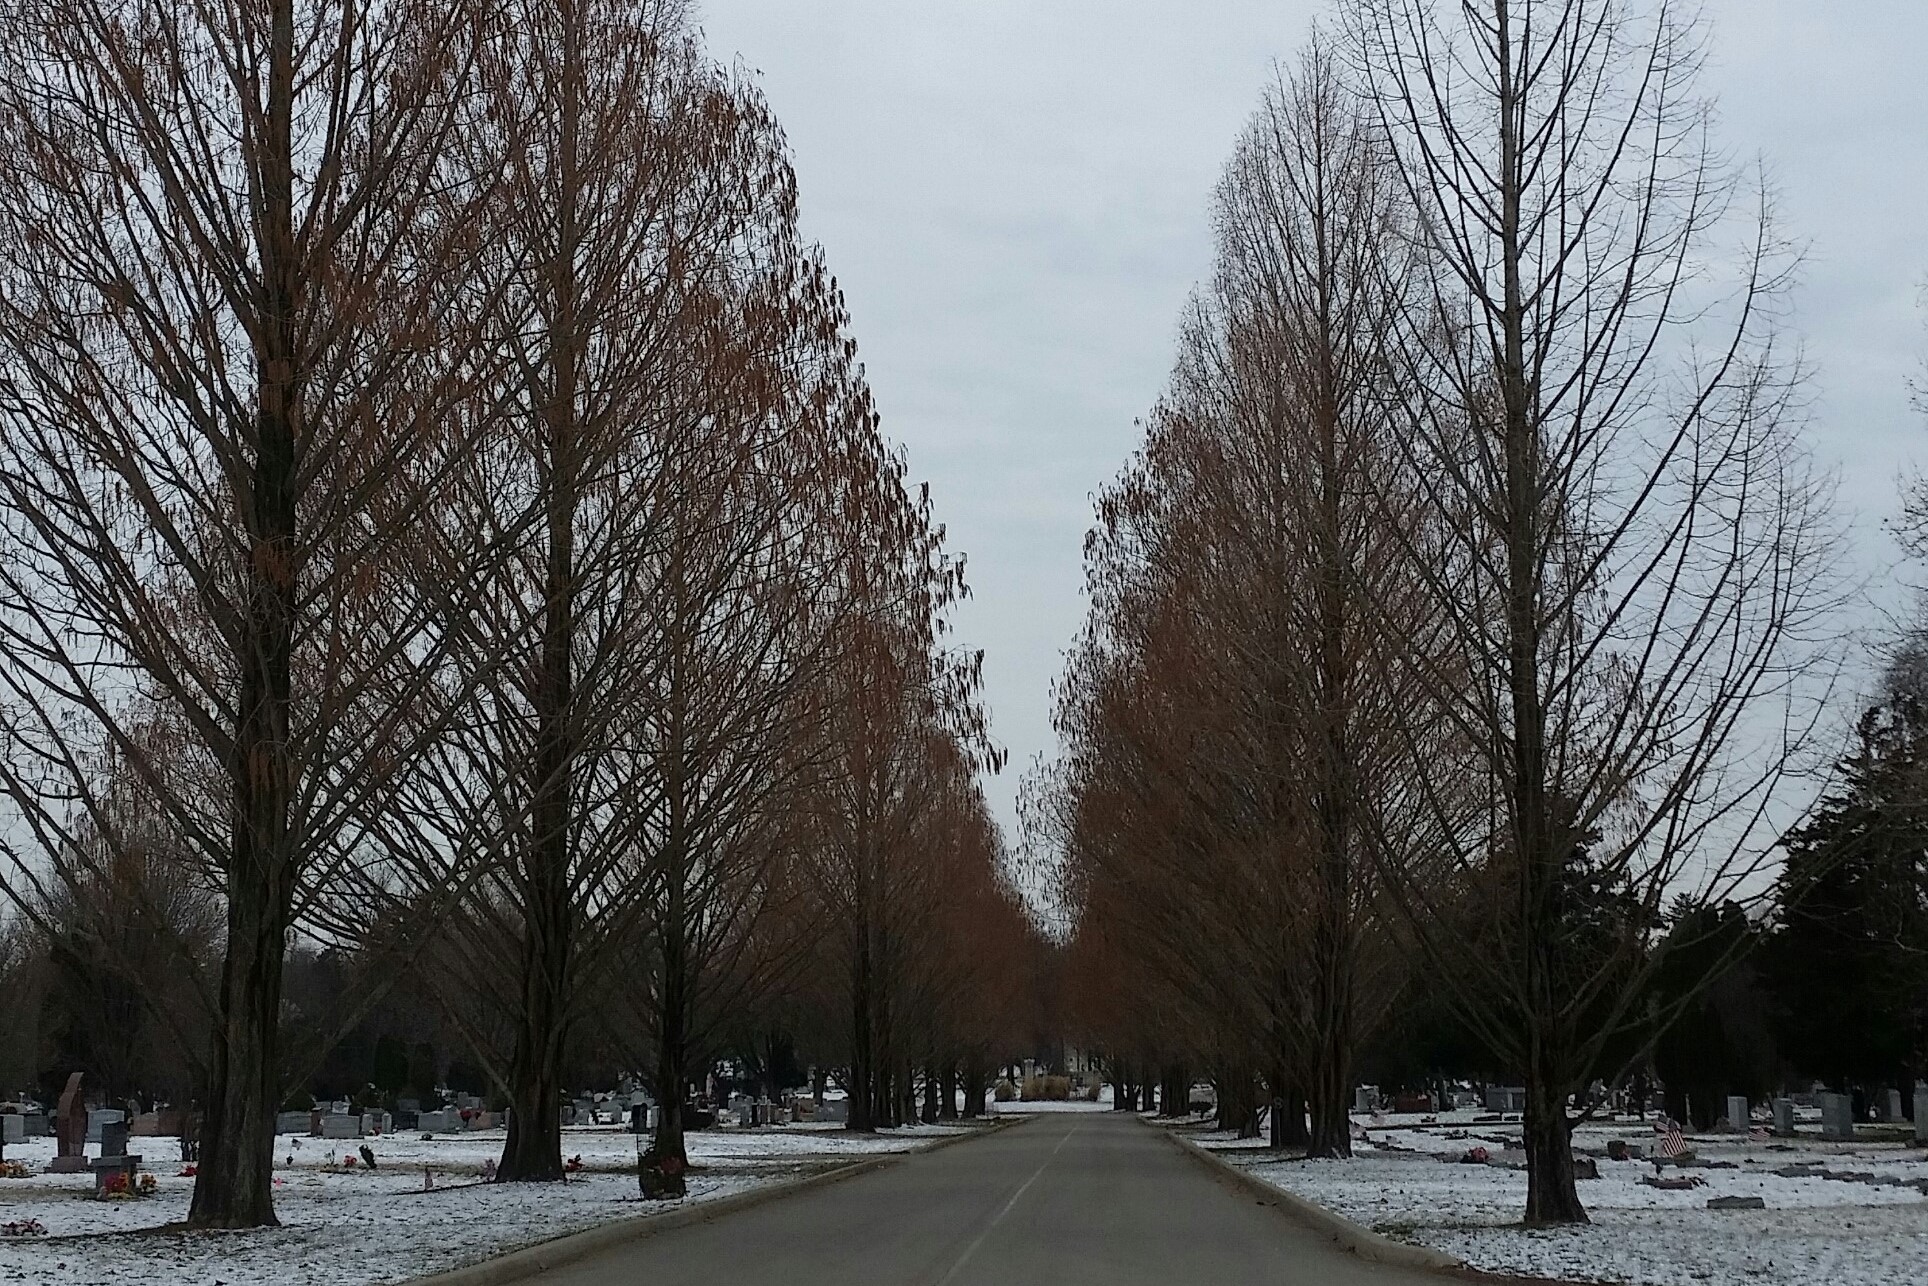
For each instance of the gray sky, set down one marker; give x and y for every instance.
(1013, 194)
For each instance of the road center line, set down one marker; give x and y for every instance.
(971, 1249)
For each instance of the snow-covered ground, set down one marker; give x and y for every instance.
(345, 1226)
(1847, 1214)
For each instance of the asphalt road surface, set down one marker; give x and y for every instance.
(1065, 1199)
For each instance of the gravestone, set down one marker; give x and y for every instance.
(13, 1128)
(113, 1138)
(293, 1123)
(146, 1125)
(1506, 1098)
(1361, 1099)
(835, 1111)
(341, 1127)
(638, 1118)
(100, 1116)
(1837, 1116)
(70, 1131)
(1737, 1115)
(1784, 1117)
(114, 1169)
(38, 1126)
(1921, 1113)
(1891, 1104)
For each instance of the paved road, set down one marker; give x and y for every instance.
(1064, 1199)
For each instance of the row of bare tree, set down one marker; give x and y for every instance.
(444, 511)
(1468, 601)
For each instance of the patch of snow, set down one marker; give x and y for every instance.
(344, 1226)
(1406, 1182)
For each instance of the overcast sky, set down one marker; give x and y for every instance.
(1014, 193)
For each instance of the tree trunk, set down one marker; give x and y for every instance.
(1551, 1194)
(947, 1087)
(1330, 1098)
(234, 1184)
(533, 1150)
(1295, 1135)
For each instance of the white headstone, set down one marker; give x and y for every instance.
(1737, 1112)
(1837, 1116)
(1891, 1104)
(335, 1126)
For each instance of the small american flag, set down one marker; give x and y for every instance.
(1672, 1143)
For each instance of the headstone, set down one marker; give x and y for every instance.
(99, 1116)
(835, 1110)
(113, 1138)
(1506, 1098)
(145, 1125)
(1784, 1117)
(1837, 1116)
(70, 1130)
(341, 1127)
(38, 1125)
(1361, 1099)
(291, 1123)
(1891, 1104)
(1736, 1203)
(13, 1128)
(1737, 1114)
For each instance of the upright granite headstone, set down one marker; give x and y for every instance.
(13, 1128)
(1784, 1117)
(114, 1169)
(1891, 1104)
(101, 1116)
(113, 1138)
(1737, 1112)
(1921, 1113)
(70, 1131)
(1837, 1116)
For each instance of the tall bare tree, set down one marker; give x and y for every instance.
(660, 317)
(230, 362)
(1626, 546)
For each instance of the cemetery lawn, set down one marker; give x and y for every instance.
(347, 1227)
(1867, 1225)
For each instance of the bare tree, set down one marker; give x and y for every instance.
(1624, 542)
(231, 364)
(656, 302)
